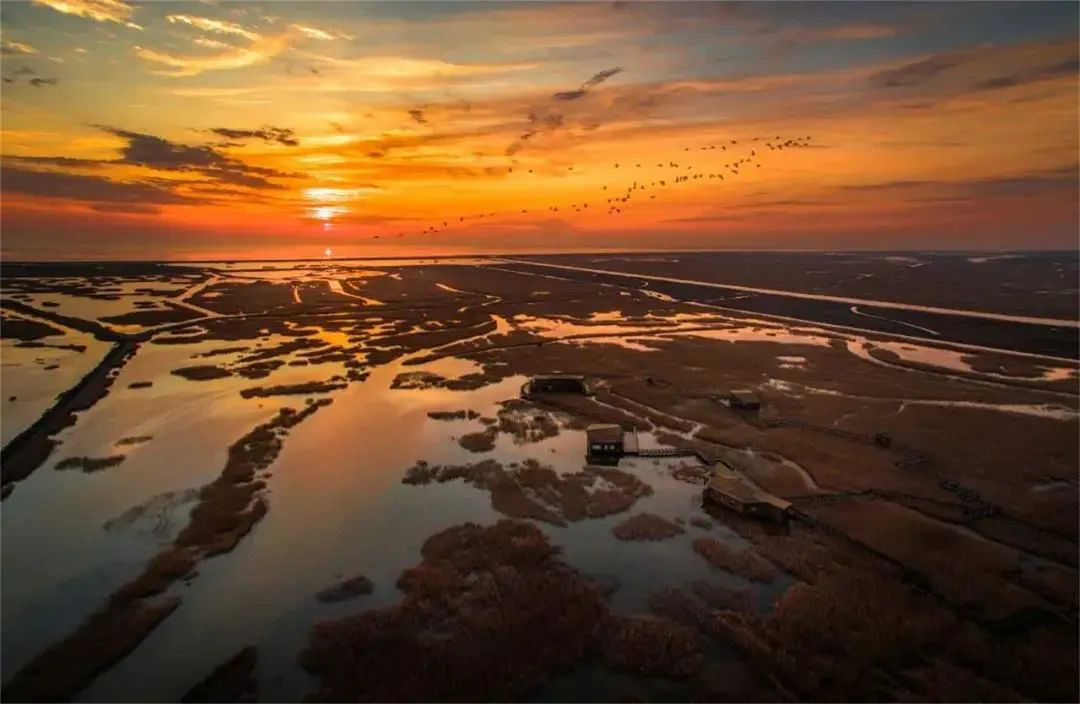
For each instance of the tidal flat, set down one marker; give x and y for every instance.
(327, 457)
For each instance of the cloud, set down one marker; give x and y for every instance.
(128, 208)
(56, 184)
(27, 71)
(889, 185)
(1068, 67)
(850, 32)
(8, 48)
(547, 120)
(210, 43)
(990, 186)
(601, 77)
(313, 33)
(211, 25)
(259, 52)
(161, 154)
(56, 161)
(98, 10)
(281, 135)
(381, 146)
(914, 73)
(392, 71)
(587, 85)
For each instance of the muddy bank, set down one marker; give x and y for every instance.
(536, 491)
(480, 441)
(646, 526)
(745, 563)
(89, 464)
(226, 510)
(30, 448)
(202, 372)
(346, 589)
(134, 440)
(690, 473)
(60, 671)
(445, 642)
(231, 681)
(25, 329)
(524, 423)
(453, 415)
(157, 516)
(519, 420)
(90, 326)
(469, 382)
(171, 313)
(309, 387)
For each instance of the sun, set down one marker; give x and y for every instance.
(328, 252)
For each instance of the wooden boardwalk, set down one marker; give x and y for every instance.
(664, 452)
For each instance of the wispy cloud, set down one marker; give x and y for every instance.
(405, 68)
(915, 72)
(848, 32)
(987, 186)
(587, 85)
(281, 135)
(547, 119)
(99, 10)
(56, 184)
(8, 48)
(1068, 67)
(210, 25)
(210, 43)
(313, 33)
(36, 82)
(259, 52)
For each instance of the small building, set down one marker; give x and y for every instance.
(730, 490)
(558, 384)
(744, 399)
(604, 441)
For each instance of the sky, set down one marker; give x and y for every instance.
(213, 129)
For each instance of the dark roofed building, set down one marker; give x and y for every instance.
(744, 399)
(730, 490)
(604, 440)
(558, 384)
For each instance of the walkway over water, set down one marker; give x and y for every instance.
(663, 452)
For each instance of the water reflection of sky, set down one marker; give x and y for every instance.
(32, 377)
(350, 513)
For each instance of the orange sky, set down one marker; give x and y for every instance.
(208, 130)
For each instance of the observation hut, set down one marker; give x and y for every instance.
(557, 384)
(730, 490)
(604, 441)
(744, 399)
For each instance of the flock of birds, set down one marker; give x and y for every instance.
(614, 203)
